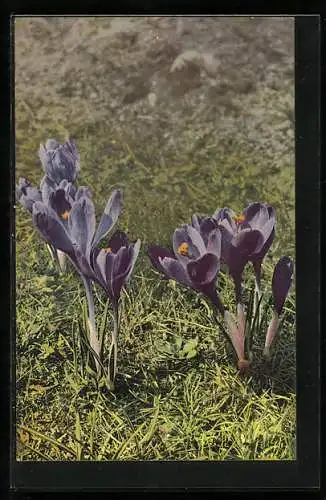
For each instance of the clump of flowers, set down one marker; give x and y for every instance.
(235, 240)
(61, 166)
(64, 216)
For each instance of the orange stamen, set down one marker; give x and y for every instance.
(65, 215)
(184, 249)
(107, 250)
(239, 218)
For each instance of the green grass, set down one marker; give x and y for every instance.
(166, 406)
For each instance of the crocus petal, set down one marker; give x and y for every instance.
(207, 225)
(27, 194)
(33, 194)
(70, 190)
(82, 263)
(53, 231)
(102, 264)
(81, 224)
(281, 282)
(59, 203)
(247, 241)
(118, 239)
(236, 252)
(121, 267)
(173, 269)
(259, 255)
(196, 221)
(109, 217)
(83, 191)
(47, 187)
(252, 210)
(134, 257)
(222, 213)
(196, 239)
(214, 244)
(226, 216)
(204, 270)
(155, 252)
(261, 217)
(228, 231)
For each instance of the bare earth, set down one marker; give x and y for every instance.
(180, 87)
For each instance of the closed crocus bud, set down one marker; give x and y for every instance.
(60, 161)
(281, 282)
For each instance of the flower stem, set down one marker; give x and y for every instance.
(257, 294)
(62, 260)
(113, 354)
(93, 337)
(271, 332)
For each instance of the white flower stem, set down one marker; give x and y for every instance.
(271, 332)
(241, 318)
(62, 259)
(93, 336)
(235, 335)
(257, 297)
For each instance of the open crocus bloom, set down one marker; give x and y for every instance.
(69, 225)
(60, 161)
(194, 263)
(281, 282)
(246, 237)
(61, 196)
(114, 264)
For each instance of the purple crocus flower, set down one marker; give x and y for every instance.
(114, 264)
(60, 161)
(112, 267)
(194, 263)
(246, 238)
(281, 282)
(73, 233)
(27, 194)
(69, 224)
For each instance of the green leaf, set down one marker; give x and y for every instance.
(191, 354)
(190, 345)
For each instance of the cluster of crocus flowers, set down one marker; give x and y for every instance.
(235, 240)
(61, 165)
(64, 215)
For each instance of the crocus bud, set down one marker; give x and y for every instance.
(281, 282)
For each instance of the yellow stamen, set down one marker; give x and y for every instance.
(239, 218)
(184, 249)
(107, 250)
(65, 215)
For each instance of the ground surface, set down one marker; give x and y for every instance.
(185, 117)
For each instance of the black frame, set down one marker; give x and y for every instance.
(302, 473)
